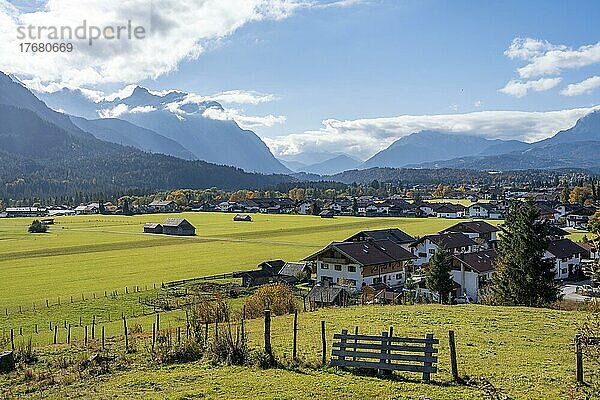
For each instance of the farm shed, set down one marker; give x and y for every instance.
(153, 228)
(242, 218)
(325, 294)
(327, 214)
(178, 226)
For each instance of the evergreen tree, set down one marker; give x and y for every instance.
(523, 276)
(439, 278)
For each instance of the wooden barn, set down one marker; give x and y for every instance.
(153, 228)
(178, 226)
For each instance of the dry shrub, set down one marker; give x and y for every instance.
(229, 348)
(277, 297)
(167, 352)
(136, 329)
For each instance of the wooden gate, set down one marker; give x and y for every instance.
(385, 353)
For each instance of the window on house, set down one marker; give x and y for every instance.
(351, 268)
(431, 251)
(351, 282)
(399, 276)
(325, 266)
(563, 271)
(377, 280)
(564, 259)
(422, 254)
(337, 267)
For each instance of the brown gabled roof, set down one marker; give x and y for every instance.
(174, 222)
(480, 227)
(564, 248)
(394, 234)
(369, 252)
(481, 261)
(450, 240)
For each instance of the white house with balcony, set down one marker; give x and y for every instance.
(356, 264)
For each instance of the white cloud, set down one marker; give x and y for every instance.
(232, 97)
(244, 121)
(528, 48)
(519, 89)
(176, 30)
(478, 104)
(545, 58)
(114, 112)
(584, 87)
(365, 137)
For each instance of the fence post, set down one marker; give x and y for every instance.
(55, 333)
(36, 329)
(324, 342)
(158, 321)
(153, 335)
(343, 347)
(579, 359)
(69, 334)
(453, 356)
(384, 350)
(268, 348)
(295, 352)
(355, 342)
(428, 353)
(94, 327)
(86, 336)
(125, 331)
(102, 337)
(12, 339)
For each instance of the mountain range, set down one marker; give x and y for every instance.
(168, 123)
(43, 153)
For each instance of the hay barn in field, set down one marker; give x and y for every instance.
(178, 226)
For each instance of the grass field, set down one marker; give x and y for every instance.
(524, 353)
(86, 254)
(518, 352)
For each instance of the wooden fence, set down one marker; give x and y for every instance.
(385, 353)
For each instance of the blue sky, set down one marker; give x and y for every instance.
(384, 58)
(362, 60)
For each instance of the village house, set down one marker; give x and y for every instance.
(483, 233)
(178, 227)
(566, 256)
(304, 207)
(449, 211)
(578, 219)
(88, 209)
(355, 264)
(454, 243)
(590, 252)
(472, 272)
(163, 206)
(483, 211)
(393, 234)
(25, 212)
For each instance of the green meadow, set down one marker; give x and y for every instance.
(503, 353)
(92, 254)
